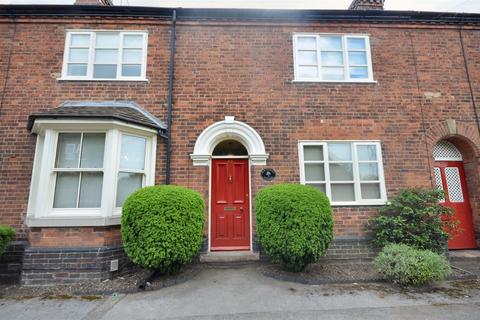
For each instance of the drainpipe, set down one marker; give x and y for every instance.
(170, 97)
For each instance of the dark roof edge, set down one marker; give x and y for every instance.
(33, 117)
(118, 104)
(54, 11)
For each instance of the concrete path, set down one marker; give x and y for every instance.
(244, 293)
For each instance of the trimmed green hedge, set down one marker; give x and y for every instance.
(162, 226)
(294, 224)
(6, 236)
(411, 267)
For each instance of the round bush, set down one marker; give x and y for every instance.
(294, 224)
(409, 266)
(162, 226)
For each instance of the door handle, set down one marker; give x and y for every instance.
(241, 209)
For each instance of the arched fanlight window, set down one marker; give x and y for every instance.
(446, 151)
(229, 148)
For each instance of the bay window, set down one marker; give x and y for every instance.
(349, 173)
(84, 171)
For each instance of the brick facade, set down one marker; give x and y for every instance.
(244, 69)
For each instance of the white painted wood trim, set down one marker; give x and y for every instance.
(228, 129)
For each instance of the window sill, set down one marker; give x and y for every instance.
(72, 221)
(337, 81)
(103, 80)
(359, 204)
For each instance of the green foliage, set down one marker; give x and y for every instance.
(415, 218)
(162, 226)
(6, 236)
(294, 224)
(410, 266)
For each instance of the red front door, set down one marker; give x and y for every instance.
(450, 176)
(230, 214)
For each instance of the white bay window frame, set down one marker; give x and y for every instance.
(40, 210)
(345, 50)
(355, 167)
(91, 55)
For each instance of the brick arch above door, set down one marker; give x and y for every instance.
(224, 130)
(463, 135)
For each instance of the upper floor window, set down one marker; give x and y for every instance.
(349, 173)
(105, 55)
(332, 58)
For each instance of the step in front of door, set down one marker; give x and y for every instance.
(229, 256)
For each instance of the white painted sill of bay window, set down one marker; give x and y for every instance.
(72, 221)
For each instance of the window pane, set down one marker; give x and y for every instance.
(68, 148)
(133, 41)
(77, 69)
(356, 58)
(78, 55)
(370, 190)
(314, 172)
(343, 192)
(333, 74)
(66, 190)
(367, 153)
(339, 152)
(127, 183)
(341, 172)
(308, 72)
(132, 155)
(80, 40)
(356, 43)
(319, 186)
(105, 71)
(359, 72)
(92, 150)
(307, 58)
(331, 43)
(132, 56)
(332, 58)
(91, 190)
(107, 40)
(368, 171)
(306, 43)
(134, 70)
(106, 56)
(312, 153)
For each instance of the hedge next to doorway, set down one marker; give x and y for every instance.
(6, 236)
(162, 227)
(294, 224)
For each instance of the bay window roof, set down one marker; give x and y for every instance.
(124, 111)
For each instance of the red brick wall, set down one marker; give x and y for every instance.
(246, 71)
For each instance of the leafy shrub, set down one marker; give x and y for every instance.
(294, 224)
(6, 236)
(415, 218)
(410, 266)
(162, 226)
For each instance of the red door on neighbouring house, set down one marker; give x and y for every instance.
(450, 176)
(230, 213)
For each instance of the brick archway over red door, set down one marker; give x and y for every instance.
(466, 138)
